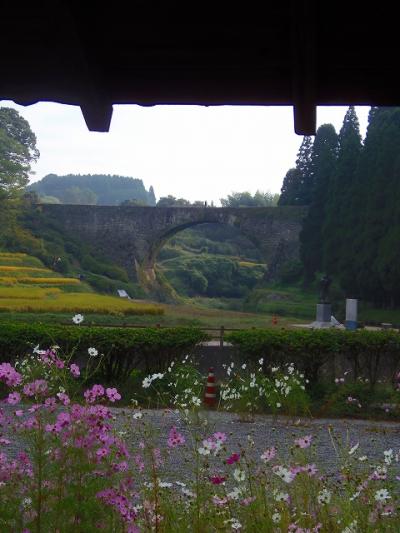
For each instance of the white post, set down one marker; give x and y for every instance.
(351, 314)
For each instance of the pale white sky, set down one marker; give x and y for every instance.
(198, 153)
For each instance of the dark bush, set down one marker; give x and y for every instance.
(151, 349)
(366, 351)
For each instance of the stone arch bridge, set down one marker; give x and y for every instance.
(132, 235)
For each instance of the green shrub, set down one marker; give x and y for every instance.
(152, 349)
(365, 350)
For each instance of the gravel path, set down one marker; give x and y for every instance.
(373, 437)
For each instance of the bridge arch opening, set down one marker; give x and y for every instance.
(208, 260)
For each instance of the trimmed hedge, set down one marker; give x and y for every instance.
(124, 349)
(365, 350)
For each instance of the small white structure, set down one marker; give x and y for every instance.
(123, 294)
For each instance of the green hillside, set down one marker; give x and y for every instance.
(92, 189)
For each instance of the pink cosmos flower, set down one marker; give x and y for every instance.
(303, 442)
(39, 386)
(219, 502)
(91, 394)
(59, 363)
(247, 501)
(234, 458)
(311, 470)
(50, 402)
(269, 454)
(75, 370)
(64, 398)
(220, 437)
(13, 398)
(19, 412)
(217, 480)
(175, 438)
(63, 420)
(101, 452)
(113, 394)
(139, 462)
(9, 375)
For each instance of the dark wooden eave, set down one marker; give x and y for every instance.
(298, 53)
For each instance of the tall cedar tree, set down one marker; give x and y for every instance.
(298, 183)
(323, 166)
(376, 252)
(337, 242)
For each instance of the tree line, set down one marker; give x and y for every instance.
(352, 188)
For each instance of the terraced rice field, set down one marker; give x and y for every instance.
(27, 286)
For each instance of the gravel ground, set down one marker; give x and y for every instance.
(373, 437)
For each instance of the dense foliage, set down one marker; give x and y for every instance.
(92, 189)
(246, 199)
(212, 260)
(17, 152)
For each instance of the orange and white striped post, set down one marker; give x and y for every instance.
(210, 396)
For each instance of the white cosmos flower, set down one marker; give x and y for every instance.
(188, 492)
(260, 361)
(281, 496)
(239, 475)
(235, 494)
(38, 351)
(244, 366)
(26, 502)
(276, 517)
(196, 401)
(235, 525)
(77, 319)
(351, 528)
(324, 496)
(382, 495)
(354, 448)
(93, 352)
(388, 456)
(146, 383)
(285, 474)
(204, 451)
(164, 485)
(138, 415)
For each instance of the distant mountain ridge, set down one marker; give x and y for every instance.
(92, 189)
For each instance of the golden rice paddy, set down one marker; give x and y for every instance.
(28, 289)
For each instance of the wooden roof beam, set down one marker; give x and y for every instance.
(304, 44)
